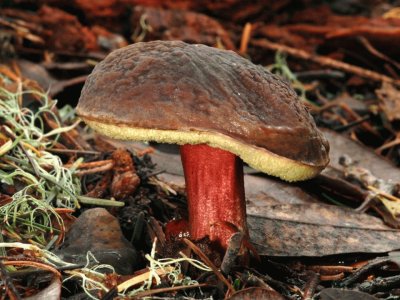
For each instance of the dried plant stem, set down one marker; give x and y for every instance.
(33, 264)
(169, 290)
(92, 164)
(73, 151)
(332, 277)
(209, 263)
(324, 61)
(141, 278)
(99, 202)
(246, 34)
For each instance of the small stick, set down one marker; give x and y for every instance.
(234, 244)
(141, 278)
(91, 164)
(325, 61)
(352, 124)
(73, 151)
(331, 277)
(102, 168)
(376, 52)
(59, 86)
(371, 266)
(246, 34)
(39, 265)
(387, 145)
(168, 290)
(381, 284)
(29, 271)
(209, 263)
(99, 201)
(331, 270)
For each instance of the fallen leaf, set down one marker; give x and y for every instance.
(341, 145)
(317, 230)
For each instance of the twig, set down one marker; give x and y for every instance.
(209, 263)
(380, 284)
(275, 284)
(353, 115)
(325, 61)
(168, 290)
(39, 265)
(141, 278)
(59, 86)
(73, 151)
(318, 74)
(99, 201)
(335, 277)
(331, 270)
(246, 34)
(371, 266)
(31, 271)
(103, 168)
(376, 52)
(352, 124)
(390, 144)
(138, 228)
(91, 164)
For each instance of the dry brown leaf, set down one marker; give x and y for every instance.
(317, 230)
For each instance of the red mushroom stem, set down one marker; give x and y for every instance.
(215, 192)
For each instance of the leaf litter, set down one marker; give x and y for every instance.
(85, 164)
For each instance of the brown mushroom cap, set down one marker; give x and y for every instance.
(173, 92)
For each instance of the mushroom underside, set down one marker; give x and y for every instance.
(256, 157)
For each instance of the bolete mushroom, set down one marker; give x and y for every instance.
(220, 108)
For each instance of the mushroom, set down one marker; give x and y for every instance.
(220, 108)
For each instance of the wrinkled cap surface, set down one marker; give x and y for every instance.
(173, 92)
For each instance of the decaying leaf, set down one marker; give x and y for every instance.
(341, 145)
(125, 180)
(317, 230)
